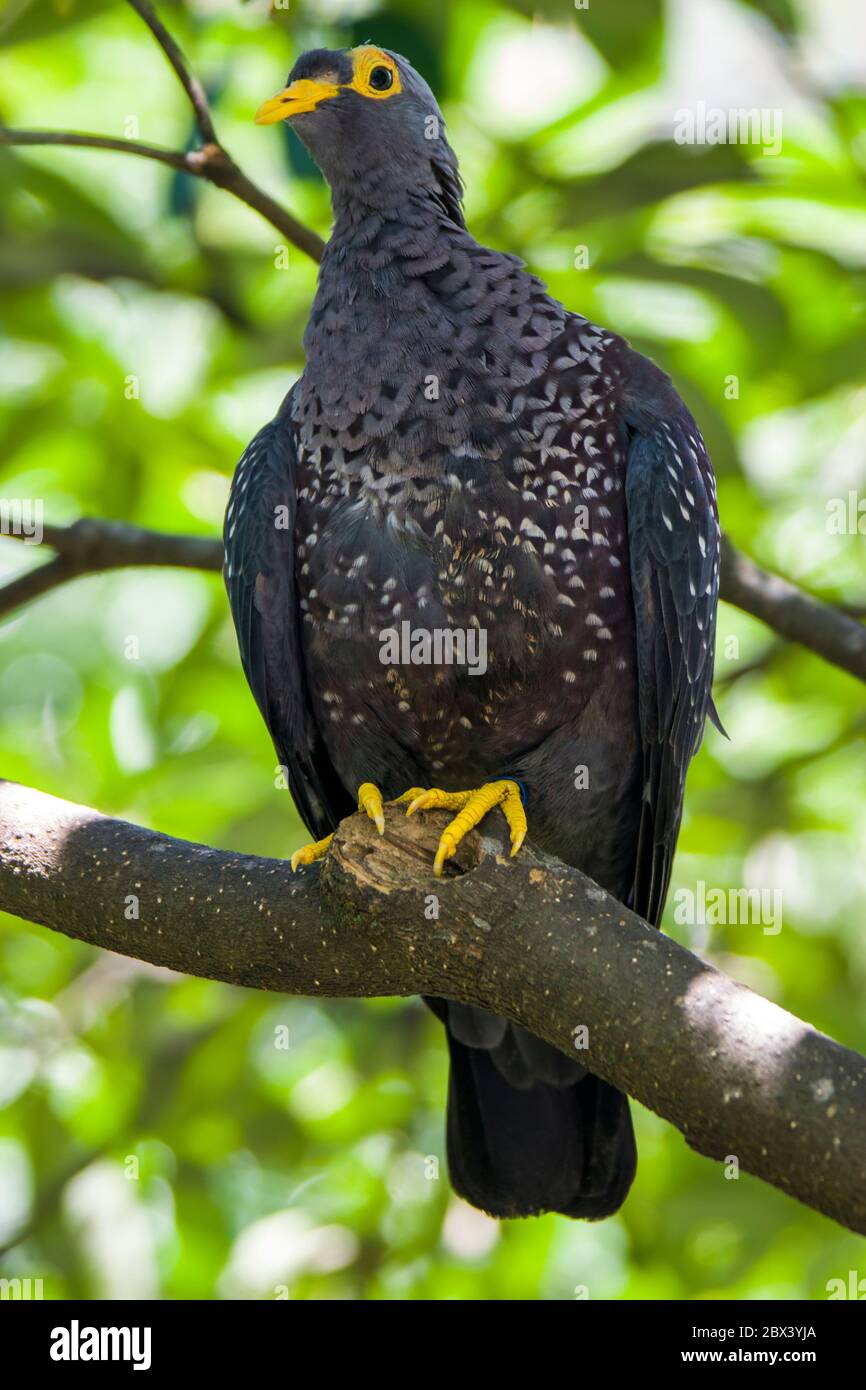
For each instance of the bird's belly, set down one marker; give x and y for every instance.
(457, 653)
(453, 672)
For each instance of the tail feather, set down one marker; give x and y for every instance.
(523, 1146)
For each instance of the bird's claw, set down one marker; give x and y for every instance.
(308, 854)
(370, 800)
(472, 807)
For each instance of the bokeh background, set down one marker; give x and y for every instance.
(157, 1139)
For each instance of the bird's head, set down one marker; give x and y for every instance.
(371, 123)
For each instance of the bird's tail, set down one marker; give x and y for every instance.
(529, 1130)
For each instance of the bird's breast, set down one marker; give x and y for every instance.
(464, 565)
(467, 625)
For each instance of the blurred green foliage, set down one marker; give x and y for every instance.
(156, 1137)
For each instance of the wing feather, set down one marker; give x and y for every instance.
(260, 579)
(674, 555)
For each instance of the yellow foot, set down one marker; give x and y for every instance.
(308, 854)
(473, 807)
(369, 800)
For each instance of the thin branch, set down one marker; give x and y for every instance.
(726, 678)
(90, 546)
(796, 615)
(78, 140)
(33, 583)
(212, 164)
(97, 544)
(190, 83)
(529, 938)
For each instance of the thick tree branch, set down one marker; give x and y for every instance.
(528, 938)
(90, 546)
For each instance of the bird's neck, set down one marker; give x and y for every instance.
(414, 325)
(388, 229)
(378, 290)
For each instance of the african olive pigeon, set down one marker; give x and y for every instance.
(463, 455)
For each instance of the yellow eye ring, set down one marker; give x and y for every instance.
(375, 73)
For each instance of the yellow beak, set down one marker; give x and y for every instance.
(303, 95)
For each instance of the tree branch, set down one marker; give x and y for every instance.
(528, 938)
(211, 163)
(176, 159)
(90, 546)
(796, 615)
(800, 617)
(191, 85)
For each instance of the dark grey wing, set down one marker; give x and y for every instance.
(674, 554)
(259, 537)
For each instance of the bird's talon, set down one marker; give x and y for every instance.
(308, 854)
(433, 798)
(472, 807)
(447, 849)
(411, 796)
(370, 800)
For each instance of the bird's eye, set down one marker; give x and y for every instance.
(381, 79)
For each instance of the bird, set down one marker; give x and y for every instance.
(465, 457)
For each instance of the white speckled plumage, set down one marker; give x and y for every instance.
(463, 453)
